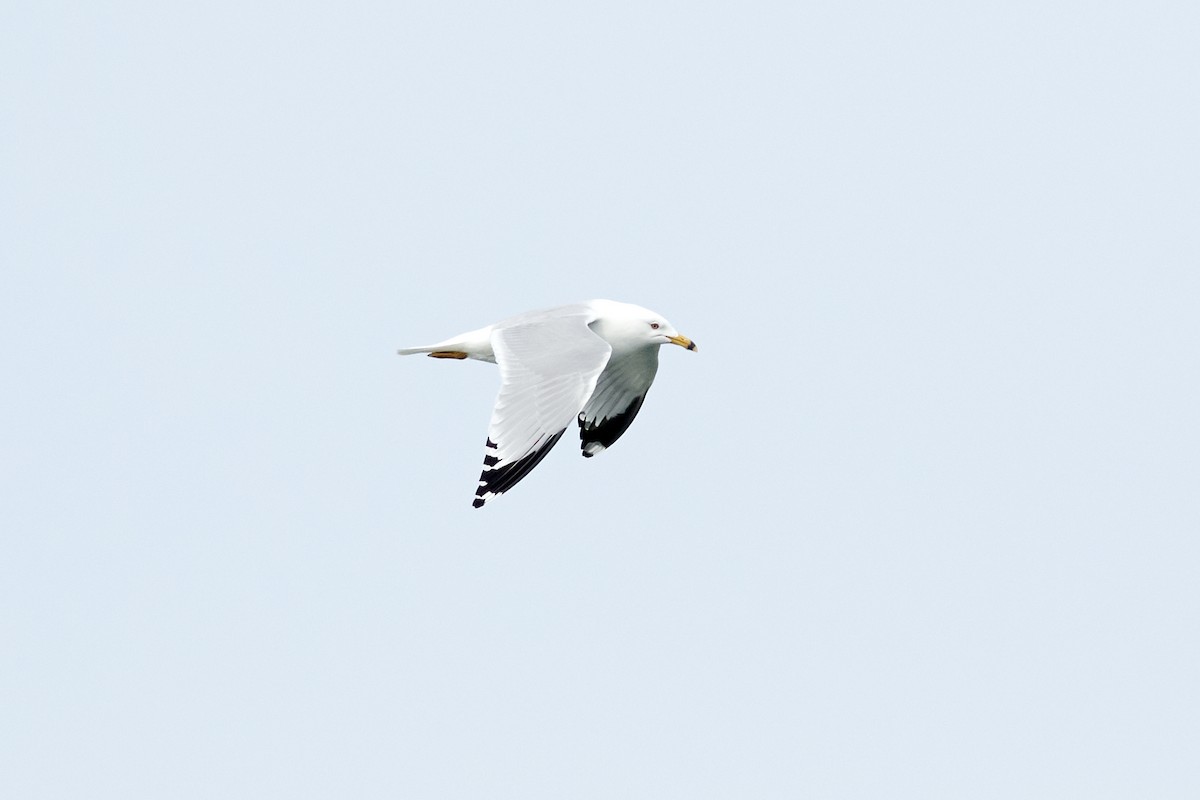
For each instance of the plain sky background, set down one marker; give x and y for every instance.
(919, 520)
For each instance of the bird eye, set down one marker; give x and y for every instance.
(654, 325)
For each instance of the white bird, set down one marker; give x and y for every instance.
(592, 362)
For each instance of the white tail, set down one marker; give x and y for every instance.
(409, 351)
(472, 344)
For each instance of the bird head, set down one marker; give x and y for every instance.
(628, 326)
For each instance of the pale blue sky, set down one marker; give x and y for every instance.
(920, 519)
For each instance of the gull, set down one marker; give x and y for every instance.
(590, 362)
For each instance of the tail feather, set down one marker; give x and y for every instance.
(472, 344)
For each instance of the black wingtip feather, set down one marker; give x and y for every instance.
(607, 431)
(498, 480)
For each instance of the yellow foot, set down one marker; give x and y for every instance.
(447, 354)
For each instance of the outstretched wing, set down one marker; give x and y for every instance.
(617, 399)
(548, 369)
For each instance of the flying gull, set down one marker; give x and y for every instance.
(592, 362)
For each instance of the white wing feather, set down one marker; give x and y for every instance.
(548, 368)
(618, 397)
